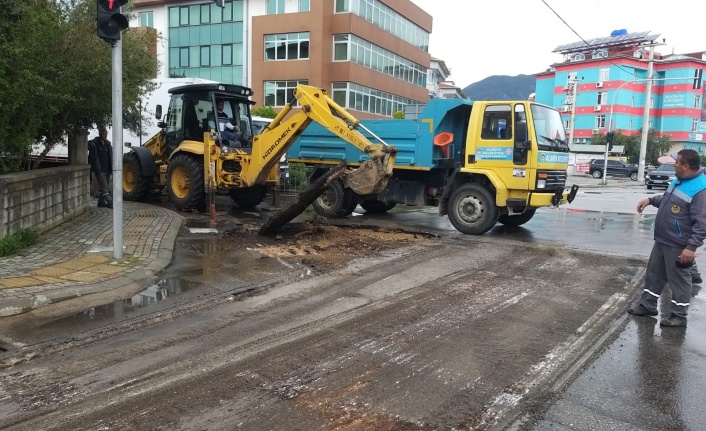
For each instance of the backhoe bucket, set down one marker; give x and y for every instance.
(371, 177)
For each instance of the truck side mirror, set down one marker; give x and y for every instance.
(158, 112)
(521, 131)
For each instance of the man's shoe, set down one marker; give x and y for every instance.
(696, 280)
(673, 321)
(641, 310)
(103, 204)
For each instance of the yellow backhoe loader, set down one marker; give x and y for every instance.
(206, 145)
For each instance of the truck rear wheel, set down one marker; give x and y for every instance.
(517, 220)
(185, 183)
(333, 202)
(250, 197)
(136, 187)
(374, 206)
(472, 209)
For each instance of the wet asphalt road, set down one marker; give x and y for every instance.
(357, 359)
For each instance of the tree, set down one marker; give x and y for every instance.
(399, 115)
(264, 111)
(656, 146)
(55, 74)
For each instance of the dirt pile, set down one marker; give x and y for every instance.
(323, 243)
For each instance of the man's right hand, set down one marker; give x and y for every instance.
(642, 205)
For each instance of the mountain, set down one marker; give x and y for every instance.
(501, 87)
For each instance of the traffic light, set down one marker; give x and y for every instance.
(609, 140)
(110, 22)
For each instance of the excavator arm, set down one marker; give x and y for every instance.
(268, 147)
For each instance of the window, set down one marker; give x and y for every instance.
(205, 56)
(630, 125)
(497, 120)
(340, 47)
(567, 124)
(578, 57)
(602, 98)
(697, 101)
(377, 13)
(604, 74)
(147, 19)
(652, 102)
(695, 125)
(289, 46)
(183, 57)
(600, 53)
(205, 13)
(278, 93)
(349, 47)
(228, 12)
(304, 6)
(600, 122)
(342, 6)
(275, 7)
(183, 16)
(227, 55)
(354, 96)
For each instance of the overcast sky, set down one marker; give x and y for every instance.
(478, 39)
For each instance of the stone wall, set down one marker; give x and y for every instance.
(42, 198)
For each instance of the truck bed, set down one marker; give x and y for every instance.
(413, 138)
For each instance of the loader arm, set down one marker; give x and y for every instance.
(268, 147)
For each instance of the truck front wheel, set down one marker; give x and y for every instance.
(517, 220)
(472, 209)
(185, 183)
(136, 187)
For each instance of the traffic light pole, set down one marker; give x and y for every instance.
(117, 87)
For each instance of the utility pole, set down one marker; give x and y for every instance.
(646, 114)
(110, 23)
(574, 85)
(117, 84)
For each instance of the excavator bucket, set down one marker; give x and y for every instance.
(369, 179)
(305, 198)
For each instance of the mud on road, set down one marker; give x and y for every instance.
(433, 333)
(323, 246)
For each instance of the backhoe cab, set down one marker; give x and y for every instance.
(207, 144)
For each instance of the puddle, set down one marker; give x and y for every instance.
(120, 309)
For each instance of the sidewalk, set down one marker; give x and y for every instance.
(76, 258)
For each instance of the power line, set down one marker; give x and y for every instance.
(579, 36)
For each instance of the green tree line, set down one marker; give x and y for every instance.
(55, 75)
(657, 146)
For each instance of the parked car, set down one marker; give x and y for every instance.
(615, 168)
(661, 177)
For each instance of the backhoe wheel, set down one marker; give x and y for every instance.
(332, 203)
(250, 197)
(374, 206)
(135, 186)
(472, 209)
(517, 220)
(185, 182)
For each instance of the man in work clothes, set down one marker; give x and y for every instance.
(100, 157)
(680, 228)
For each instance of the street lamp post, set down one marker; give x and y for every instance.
(611, 126)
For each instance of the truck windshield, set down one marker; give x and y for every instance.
(549, 128)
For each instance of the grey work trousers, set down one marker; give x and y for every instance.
(662, 268)
(103, 187)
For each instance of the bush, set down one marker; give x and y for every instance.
(264, 111)
(399, 115)
(11, 244)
